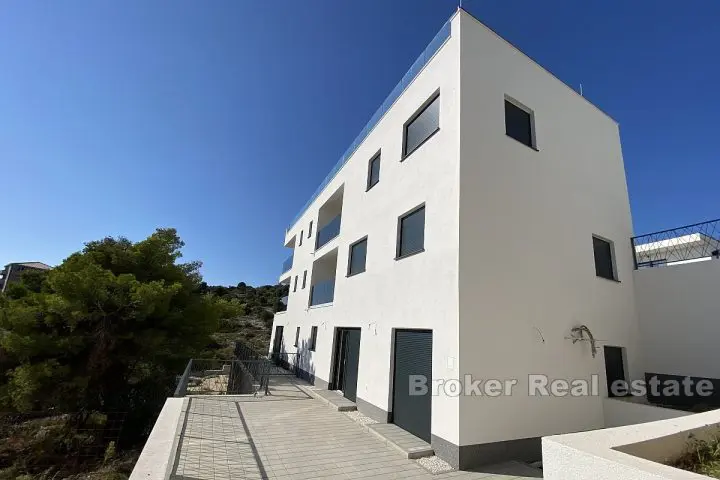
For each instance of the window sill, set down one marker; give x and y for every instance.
(409, 254)
(371, 186)
(320, 305)
(614, 280)
(523, 143)
(353, 274)
(406, 155)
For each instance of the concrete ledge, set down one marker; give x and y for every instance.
(158, 455)
(370, 410)
(407, 443)
(332, 399)
(633, 452)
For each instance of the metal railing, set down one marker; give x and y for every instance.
(328, 232)
(407, 79)
(690, 243)
(214, 377)
(287, 264)
(322, 292)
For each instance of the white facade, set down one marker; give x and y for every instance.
(507, 268)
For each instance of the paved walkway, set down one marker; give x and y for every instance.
(290, 435)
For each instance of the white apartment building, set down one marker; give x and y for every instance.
(479, 220)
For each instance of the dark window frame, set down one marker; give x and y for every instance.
(310, 229)
(304, 280)
(302, 233)
(398, 242)
(508, 100)
(613, 262)
(350, 251)
(295, 284)
(413, 117)
(375, 157)
(297, 337)
(313, 338)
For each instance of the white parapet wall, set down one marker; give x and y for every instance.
(155, 461)
(633, 452)
(633, 410)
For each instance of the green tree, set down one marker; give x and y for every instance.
(106, 331)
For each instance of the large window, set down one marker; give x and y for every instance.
(297, 336)
(358, 253)
(604, 264)
(422, 126)
(411, 232)
(373, 171)
(313, 338)
(519, 123)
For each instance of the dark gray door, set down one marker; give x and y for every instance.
(351, 359)
(614, 368)
(413, 356)
(277, 342)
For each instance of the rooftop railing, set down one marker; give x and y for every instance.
(407, 79)
(690, 243)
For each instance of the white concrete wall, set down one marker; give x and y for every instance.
(527, 217)
(420, 291)
(155, 461)
(634, 452)
(633, 410)
(679, 314)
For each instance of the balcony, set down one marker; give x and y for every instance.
(688, 244)
(328, 232)
(322, 293)
(287, 264)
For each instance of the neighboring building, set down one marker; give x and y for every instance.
(13, 271)
(479, 220)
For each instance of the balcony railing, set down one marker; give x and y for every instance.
(328, 232)
(322, 292)
(287, 264)
(691, 243)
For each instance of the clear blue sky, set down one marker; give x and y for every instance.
(221, 117)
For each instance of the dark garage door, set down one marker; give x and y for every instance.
(413, 356)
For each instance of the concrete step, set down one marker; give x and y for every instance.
(334, 400)
(410, 445)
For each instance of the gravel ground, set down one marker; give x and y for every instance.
(434, 464)
(360, 418)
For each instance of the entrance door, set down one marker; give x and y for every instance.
(413, 356)
(614, 368)
(347, 359)
(277, 342)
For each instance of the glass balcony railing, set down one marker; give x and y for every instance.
(287, 264)
(328, 232)
(322, 292)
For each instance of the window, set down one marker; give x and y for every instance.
(297, 336)
(603, 250)
(313, 338)
(615, 371)
(411, 232)
(373, 171)
(301, 237)
(356, 260)
(421, 126)
(304, 278)
(295, 284)
(310, 229)
(519, 123)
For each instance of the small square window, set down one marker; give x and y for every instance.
(356, 260)
(297, 336)
(373, 171)
(422, 125)
(295, 284)
(302, 233)
(411, 232)
(310, 229)
(604, 262)
(313, 338)
(519, 124)
(304, 278)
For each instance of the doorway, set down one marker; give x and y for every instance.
(615, 370)
(347, 360)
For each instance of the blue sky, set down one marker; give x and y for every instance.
(221, 117)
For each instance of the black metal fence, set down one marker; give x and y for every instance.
(248, 372)
(685, 244)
